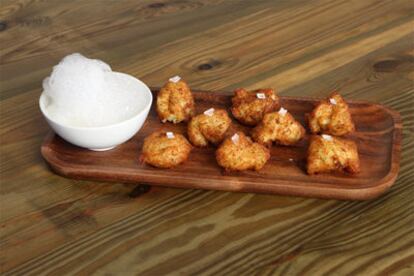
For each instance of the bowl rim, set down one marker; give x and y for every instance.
(140, 112)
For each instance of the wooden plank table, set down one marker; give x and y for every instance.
(53, 225)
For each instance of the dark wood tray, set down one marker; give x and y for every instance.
(378, 137)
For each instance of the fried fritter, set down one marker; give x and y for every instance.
(327, 154)
(175, 102)
(165, 149)
(250, 107)
(279, 127)
(331, 116)
(208, 127)
(239, 153)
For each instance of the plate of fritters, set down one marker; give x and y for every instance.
(249, 141)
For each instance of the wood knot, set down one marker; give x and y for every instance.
(209, 65)
(156, 5)
(205, 66)
(139, 190)
(388, 65)
(3, 25)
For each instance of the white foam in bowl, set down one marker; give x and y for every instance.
(105, 137)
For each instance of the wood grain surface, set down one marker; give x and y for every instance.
(378, 138)
(57, 226)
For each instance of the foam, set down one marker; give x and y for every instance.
(86, 93)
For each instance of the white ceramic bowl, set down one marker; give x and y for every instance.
(104, 137)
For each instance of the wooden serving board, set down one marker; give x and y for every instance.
(378, 137)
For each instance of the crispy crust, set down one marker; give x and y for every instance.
(162, 152)
(283, 130)
(243, 155)
(175, 102)
(203, 129)
(338, 155)
(248, 109)
(331, 119)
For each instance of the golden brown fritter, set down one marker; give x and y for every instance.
(249, 108)
(327, 154)
(331, 116)
(175, 102)
(204, 128)
(278, 127)
(239, 153)
(163, 152)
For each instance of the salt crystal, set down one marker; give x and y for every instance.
(170, 135)
(235, 138)
(333, 101)
(327, 137)
(290, 159)
(282, 111)
(175, 79)
(209, 112)
(261, 96)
